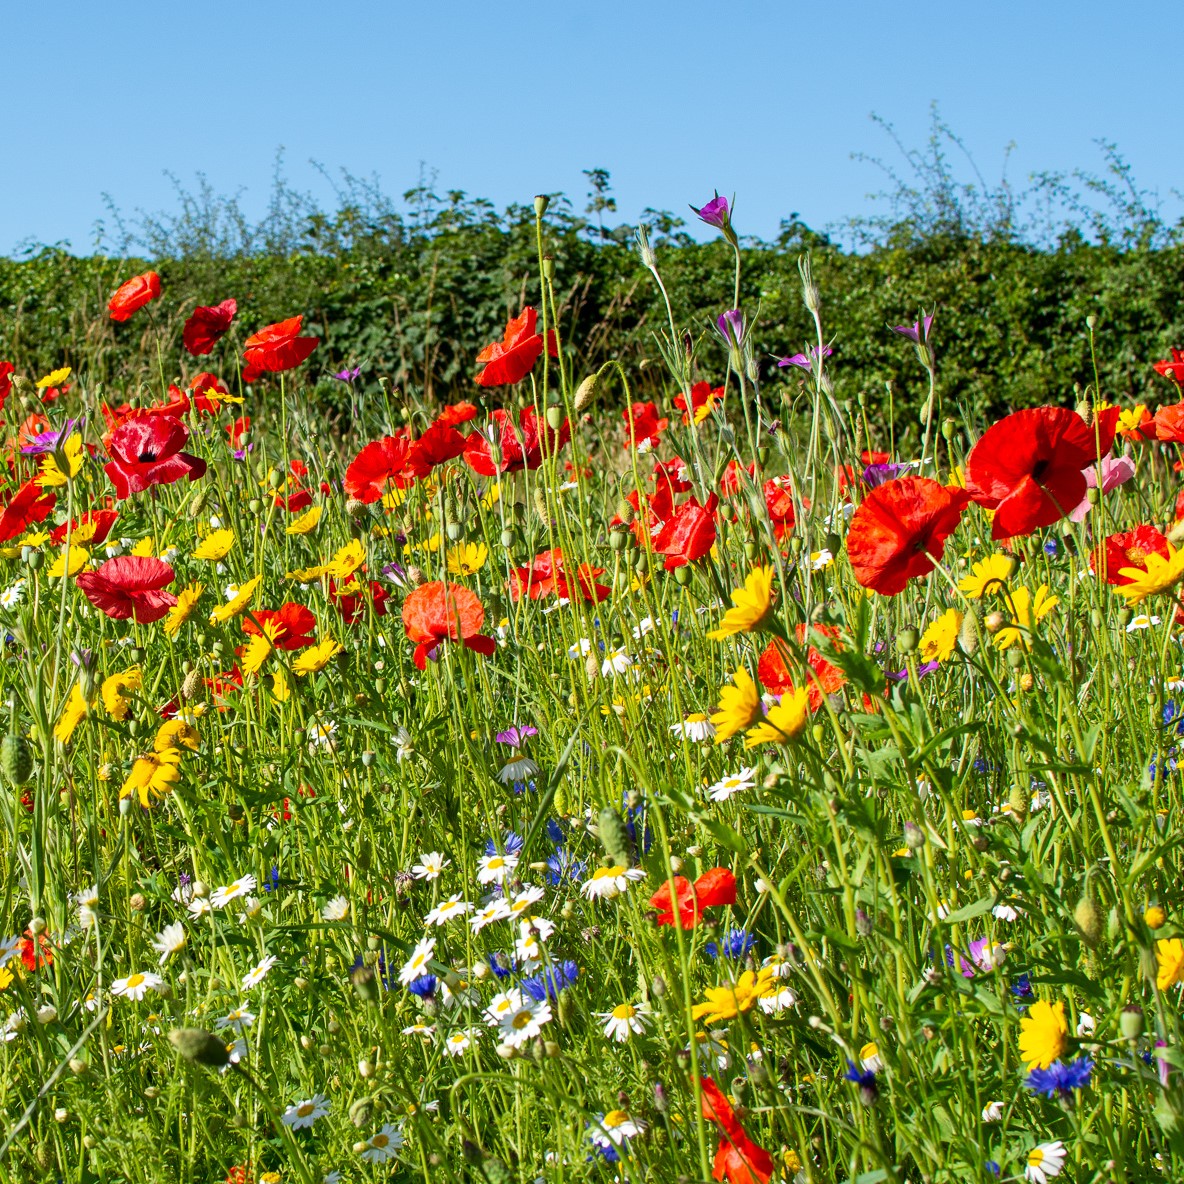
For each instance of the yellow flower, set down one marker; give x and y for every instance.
(280, 691)
(346, 561)
(393, 498)
(257, 650)
(232, 608)
(1130, 419)
(491, 496)
(306, 522)
(187, 600)
(315, 657)
(53, 378)
(956, 478)
(750, 605)
(217, 397)
(1025, 613)
(176, 733)
(51, 472)
(1161, 574)
(153, 774)
(1155, 916)
(467, 559)
(783, 722)
(115, 692)
(728, 1001)
(433, 544)
(69, 564)
(1169, 958)
(988, 575)
(72, 715)
(144, 547)
(306, 575)
(216, 545)
(739, 707)
(1042, 1033)
(938, 641)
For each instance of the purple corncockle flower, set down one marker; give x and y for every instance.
(985, 955)
(916, 332)
(804, 361)
(46, 442)
(347, 375)
(875, 475)
(715, 213)
(1116, 471)
(731, 326)
(396, 572)
(903, 675)
(516, 736)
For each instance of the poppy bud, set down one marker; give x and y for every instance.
(365, 1068)
(540, 506)
(614, 837)
(949, 429)
(1130, 1022)
(682, 576)
(906, 640)
(414, 576)
(555, 418)
(361, 1111)
(592, 666)
(968, 633)
(200, 1047)
(914, 836)
(1020, 802)
(1015, 659)
(1088, 919)
(994, 622)
(586, 392)
(1091, 322)
(618, 539)
(16, 759)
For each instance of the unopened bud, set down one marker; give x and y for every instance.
(586, 392)
(200, 1047)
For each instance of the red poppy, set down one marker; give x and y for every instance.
(7, 369)
(92, 528)
(29, 504)
(713, 888)
(1028, 466)
(34, 425)
(642, 426)
(36, 952)
(730, 483)
(779, 503)
(145, 450)
(657, 508)
(134, 294)
(222, 685)
(689, 534)
(896, 529)
(702, 396)
(867, 457)
(672, 474)
(276, 348)
(1129, 548)
(1173, 369)
(352, 598)
(51, 394)
(547, 574)
(437, 612)
(206, 325)
(292, 625)
(198, 387)
(1167, 425)
(510, 360)
(438, 445)
(379, 465)
(521, 446)
(825, 678)
(130, 586)
(737, 1159)
(455, 414)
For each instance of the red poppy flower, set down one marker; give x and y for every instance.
(92, 528)
(689, 534)
(277, 347)
(738, 1160)
(1173, 369)
(730, 483)
(1168, 424)
(292, 623)
(1027, 467)
(33, 426)
(779, 503)
(438, 445)
(206, 325)
(642, 426)
(29, 504)
(896, 529)
(547, 573)
(134, 294)
(7, 369)
(713, 888)
(36, 952)
(222, 685)
(867, 457)
(510, 360)
(145, 450)
(455, 414)
(672, 474)
(379, 465)
(1129, 548)
(521, 446)
(130, 586)
(353, 597)
(703, 399)
(825, 678)
(437, 612)
(198, 387)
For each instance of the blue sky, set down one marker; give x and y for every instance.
(767, 100)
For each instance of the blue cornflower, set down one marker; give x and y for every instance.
(1060, 1078)
(548, 983)
(980, 766)
(272, 880)
(1173, 717)
(1022, 987)
(736, 943)
(513, 845)
(562, 865)
(865, 1079)
(424, 986)
(1050, 548)
(501, 966)
(555, 832)
(992, 1167)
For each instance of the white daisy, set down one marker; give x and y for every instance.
(303, 1114)
(615, 1128)
(425, 1030)
(993, 1112)
(10, 947)
(430, 866)
(732, 783)
(384, 1145)
(88, 903)
(492, 868)
(579, 649)
(458, 1041)
(336, 909)
(137, 984)
(417, 965)
(238, 1019)
(521, 904)
(446, 910)
(222, 896)
(12, 595)
(525, 1022)
(258, 973)
(607, 882)
(696, 728)
(615, 662)
(169, 941)
(623, 1021)
(496, 910)
(1045, 1161)
(503, 1004)
(200, 906)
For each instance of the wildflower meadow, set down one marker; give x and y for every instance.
(748, 783)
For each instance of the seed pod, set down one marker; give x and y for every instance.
(567, 1007)
(361, 1112)
(968, 634)
(1020, 802)
(1088, 919)
(554, 418)
(1130, 1022)
(560, 801)
(540, 506)
(586, 392)
(618, 539)
(907, 640)
(200, 1047)
(614, 837)
(16, 759)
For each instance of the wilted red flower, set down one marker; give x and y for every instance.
(7, 369)
(130, 586)
(379, 465)
(896, 529)
(643, 425)
(436, 446)
(510, 360)
(1027, 467)
(1173, 369)
(738, 1160)
(90, 530)
(292, 625)
(714, 887)
(703, 401)
(521, 446)
(29, 504)
(133, 294)
(206, 325)
(826, 678)
(456, 413)
(547, 574)
(277, 347)
(437, 612)
(354, 595)
(1129, 548)
(145, 450)
(200, 385)
(689, 534)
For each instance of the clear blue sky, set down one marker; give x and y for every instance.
(767, 100)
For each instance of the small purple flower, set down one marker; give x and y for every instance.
(922, 671)
(46, 442)
(396, 573)
(731, 326)
(876, 475)
(1060, 1079)
(516, 736)
(347, 376)
(715, 213)
(803, 361)
(917, 332)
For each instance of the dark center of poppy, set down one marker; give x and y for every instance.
(1038, 470)
(148, 455)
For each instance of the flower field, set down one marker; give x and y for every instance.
(557, 786)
